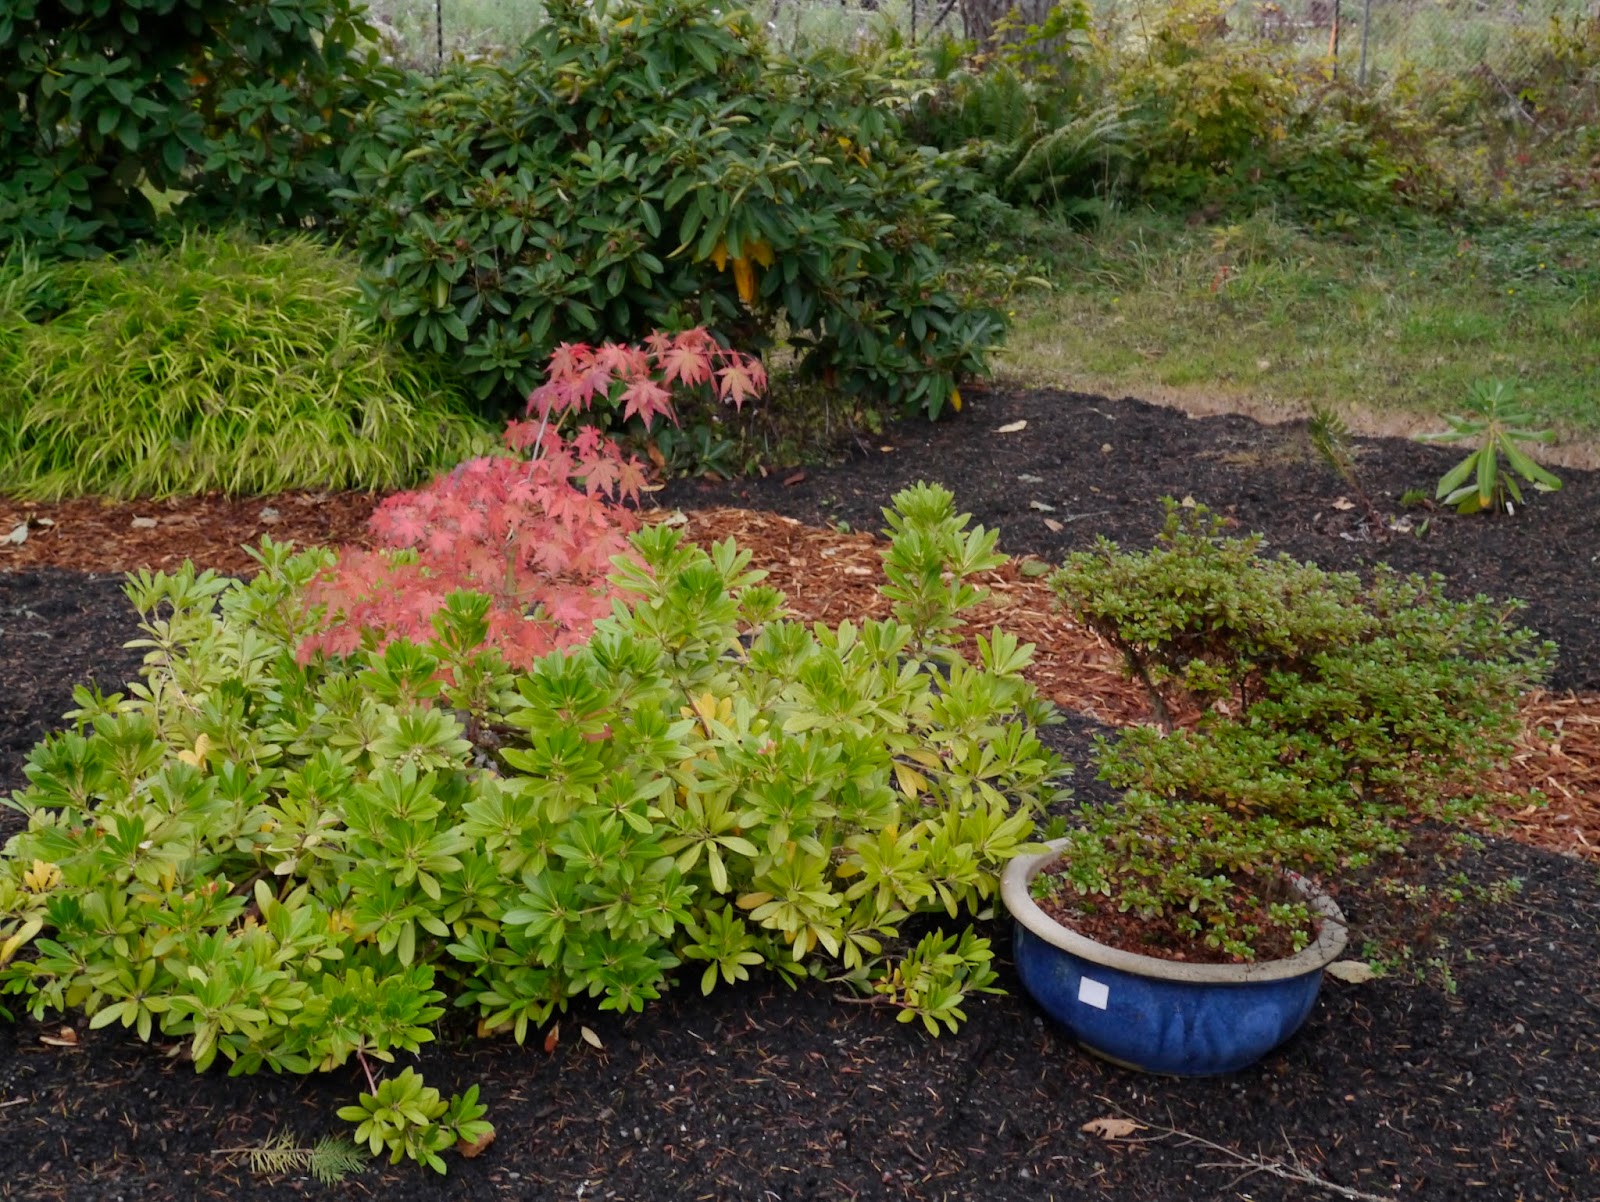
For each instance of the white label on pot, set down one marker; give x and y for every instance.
(1093, 993)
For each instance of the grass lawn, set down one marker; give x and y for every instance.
(1388, 326)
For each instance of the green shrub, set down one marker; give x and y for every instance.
(238, 107)
(290, 865)
(653, 165)
(1334, 715)
(216, 364)
(1030, 115)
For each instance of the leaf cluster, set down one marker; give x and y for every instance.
(232, 110)
(1333, 714)
(1494, 429)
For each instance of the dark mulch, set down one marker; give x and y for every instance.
(1394, 1089)
(1101, 467)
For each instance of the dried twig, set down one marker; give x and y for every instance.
(1251, 1164)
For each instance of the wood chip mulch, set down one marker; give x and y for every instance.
(828, 575)
(93, 535)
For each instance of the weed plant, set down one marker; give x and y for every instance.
(216, 364)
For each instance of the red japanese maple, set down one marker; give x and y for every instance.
(535, 534)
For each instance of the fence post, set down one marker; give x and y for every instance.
(1366, 23)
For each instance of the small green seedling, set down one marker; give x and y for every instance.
(1480, 481)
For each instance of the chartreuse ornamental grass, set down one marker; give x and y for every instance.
(1400, 321)
(215, 364)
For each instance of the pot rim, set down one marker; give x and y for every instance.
(1330, 941)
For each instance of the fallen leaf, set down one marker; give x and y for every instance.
(885, 450)
(1344, 503)
(475, 1149)
(1037, 567)
(269, 515)
(1187, 503)
(67, 1038)
(1263, 364)
(679, 518)
(19, 534)
(144, 523)
(1351, 972)
(1041, 507)
(590, 1038)
(656, 457)
(1053, 526)
(1030, 478)
(551, 1039)
(1011, 427)
(796, 478)
(1105, 448)
(1111, 1128)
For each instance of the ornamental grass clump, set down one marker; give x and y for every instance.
(1308, 722)
(218, 364)
(303, 863)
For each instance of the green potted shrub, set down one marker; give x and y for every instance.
(1308, 723)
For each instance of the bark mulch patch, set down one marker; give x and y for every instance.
(1394, 1089)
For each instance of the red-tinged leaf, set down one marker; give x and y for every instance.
(687, 365)
(646, 400)
(552, 1038)
(568, 360)
(741, 381)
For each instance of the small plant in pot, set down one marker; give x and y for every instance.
(1309, 724)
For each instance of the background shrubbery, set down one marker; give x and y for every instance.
(237, 108)
(655, 166)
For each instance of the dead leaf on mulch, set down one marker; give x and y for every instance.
(1351, 972)
(476, 1148)
(1112, 1128)
(65, 1038)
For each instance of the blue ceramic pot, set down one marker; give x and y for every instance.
(1164, 1016)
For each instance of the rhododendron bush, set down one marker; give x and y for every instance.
(535, 529)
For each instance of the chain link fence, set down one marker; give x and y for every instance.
(1358, 38)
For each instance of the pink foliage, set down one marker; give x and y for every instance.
(536, 535)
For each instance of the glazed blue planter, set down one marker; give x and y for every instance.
(1164, 1016)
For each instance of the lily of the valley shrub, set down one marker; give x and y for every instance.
(294, 863)
(535, 535)
(1334, 714)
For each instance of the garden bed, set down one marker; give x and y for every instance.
(1394, 1089)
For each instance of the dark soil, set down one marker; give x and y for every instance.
(1093, 466)
(1393, 1090)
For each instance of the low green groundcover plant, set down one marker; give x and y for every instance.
(292, 862)
(216, 364)
(1334, 715)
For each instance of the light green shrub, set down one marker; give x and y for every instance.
(289, 865)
